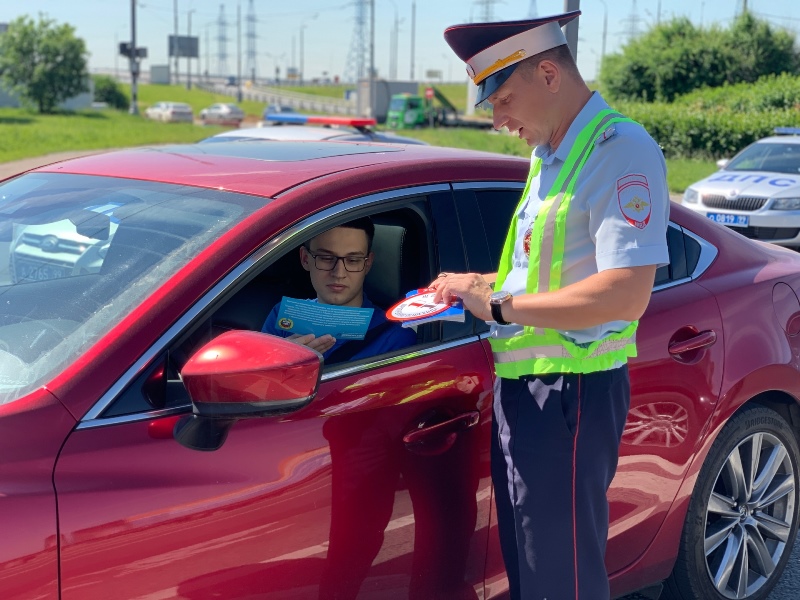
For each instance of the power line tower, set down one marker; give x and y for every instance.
(356, 57)
(741, 6)
(487, 10)
(633, 22)
(532, 12)
(250, 37)
(222, 42)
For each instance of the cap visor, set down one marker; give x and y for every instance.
(491, 84)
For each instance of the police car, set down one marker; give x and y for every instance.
(757, 193)
(296, 127)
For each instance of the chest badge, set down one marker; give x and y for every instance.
(526, 241)
(633, 195)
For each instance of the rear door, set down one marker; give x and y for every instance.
(378, 489)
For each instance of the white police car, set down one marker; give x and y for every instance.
(757, 192)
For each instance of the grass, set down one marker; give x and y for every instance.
(197, 98)
(25, 133)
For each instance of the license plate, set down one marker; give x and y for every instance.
(730, 220)
(33, 271)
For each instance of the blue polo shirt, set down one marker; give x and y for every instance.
(394, 337)
(603, 230)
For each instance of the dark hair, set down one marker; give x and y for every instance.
(365, 224)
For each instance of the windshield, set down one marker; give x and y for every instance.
(397, 104)
(773, 157)
(79, 253)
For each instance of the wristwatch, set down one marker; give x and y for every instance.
(496, 301)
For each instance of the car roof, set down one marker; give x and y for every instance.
(271, 168)
(780, 139)
(310, 132)
(283, 132)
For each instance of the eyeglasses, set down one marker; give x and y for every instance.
(327, 262)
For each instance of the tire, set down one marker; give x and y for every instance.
(755, 527)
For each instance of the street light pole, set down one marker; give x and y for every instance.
(605, 29)
(413, 31)
(134, 62)
(239, 51)
(175, 44)
(300, 74)
(372, 103)
(572, 27)
(188, 56)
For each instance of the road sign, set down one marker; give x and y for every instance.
(429, 93)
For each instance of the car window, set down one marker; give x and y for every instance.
(405, 260)
(774, 157)
(82, 252)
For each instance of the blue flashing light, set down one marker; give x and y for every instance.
(787, 130)
(288, 118)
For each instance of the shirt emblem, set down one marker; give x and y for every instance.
(526, 241)
(633, 195)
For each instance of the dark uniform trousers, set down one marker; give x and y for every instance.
(555, 445)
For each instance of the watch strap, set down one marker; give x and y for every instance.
(497, 313)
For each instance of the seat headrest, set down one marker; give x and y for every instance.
(387, 279)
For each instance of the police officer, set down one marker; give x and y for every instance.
(575, 275)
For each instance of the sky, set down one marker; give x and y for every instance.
(326, 29)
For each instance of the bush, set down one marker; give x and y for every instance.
(676, 58)
(106, 89)
(683, 131)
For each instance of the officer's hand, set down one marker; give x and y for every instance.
(470, 287)
(321, 344)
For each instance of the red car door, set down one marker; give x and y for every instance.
(675, 385)
(379, 488)
(329, 501)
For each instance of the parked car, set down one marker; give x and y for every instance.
(155, 444)
(278, 109)
(222, 114)
(170, 112)
(305, 127)
(757, 192)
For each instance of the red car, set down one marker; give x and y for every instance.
(155, 445)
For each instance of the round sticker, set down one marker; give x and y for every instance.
(416, 307)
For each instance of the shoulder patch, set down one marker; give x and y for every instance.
(606, 135)
(633, 196)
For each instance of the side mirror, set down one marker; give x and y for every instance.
(723, 162)
(240, 375)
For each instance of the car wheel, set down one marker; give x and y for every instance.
(743, 515)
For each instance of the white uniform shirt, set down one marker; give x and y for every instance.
(606, 219)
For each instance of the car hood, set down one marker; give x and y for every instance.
(750, 183)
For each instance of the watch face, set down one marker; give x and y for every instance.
(500, 296)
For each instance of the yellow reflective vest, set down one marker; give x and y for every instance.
(538, 350)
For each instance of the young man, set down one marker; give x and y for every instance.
(338, 261)
(575, 276)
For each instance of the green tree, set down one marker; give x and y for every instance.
(106, 89)
(43, 62)
(676, 57)
(760, 50)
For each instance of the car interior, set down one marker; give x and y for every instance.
(402, 262)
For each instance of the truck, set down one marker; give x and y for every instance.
(411, 111)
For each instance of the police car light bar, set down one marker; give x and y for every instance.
(787, 130)
(356, 122)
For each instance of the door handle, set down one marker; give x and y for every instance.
(455, 425)
(701, 340)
